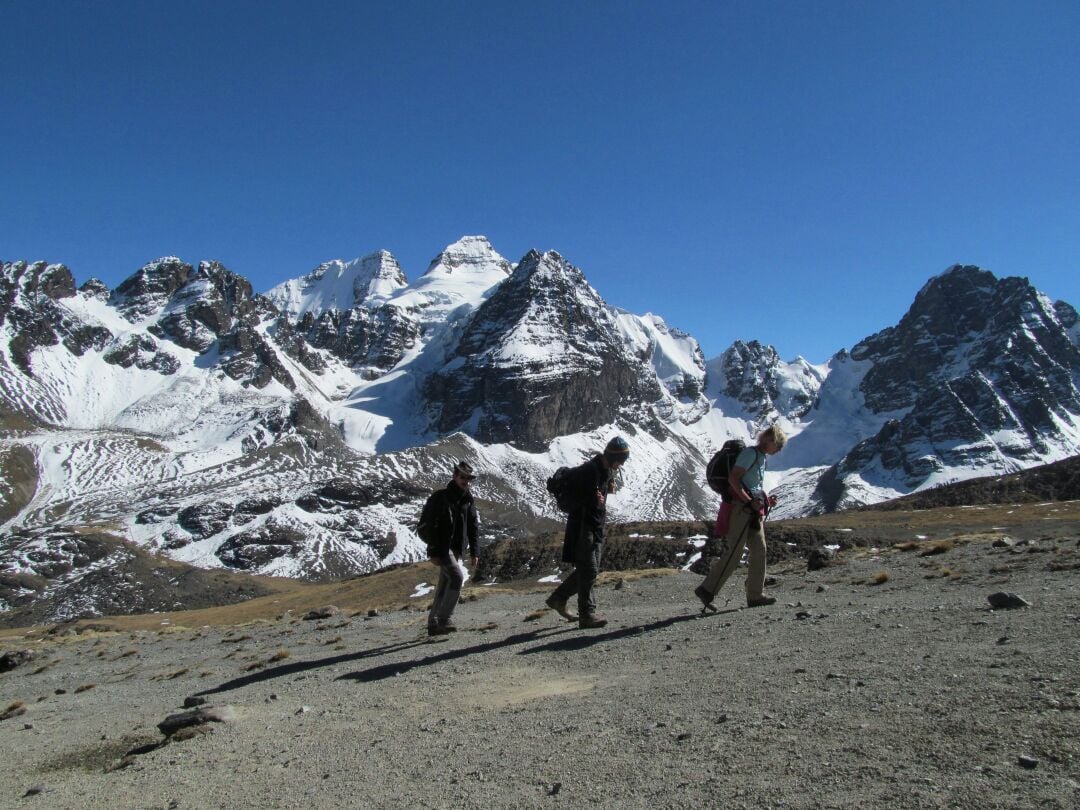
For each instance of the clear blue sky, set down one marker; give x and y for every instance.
(787, 171)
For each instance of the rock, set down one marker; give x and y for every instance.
(196, 717)
(1026, 761)
(15, 658)
(372, 613)
(1004, 542)
(322, 613)
(34, 791)
(193, 701)
(819, 558)
(1007, 601)
(822, 588)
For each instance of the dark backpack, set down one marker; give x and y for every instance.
(559, 486)
(425, 529)
(720, 467)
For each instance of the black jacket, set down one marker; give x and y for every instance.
(585, 521)
(448, 519)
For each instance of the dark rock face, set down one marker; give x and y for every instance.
(141, 351)
(150, 288)
(203, 308)
(751, 374)
(340, 494)
(256, 548)
(204, 520)
(28, 305)
(371, 341)
(497, 390)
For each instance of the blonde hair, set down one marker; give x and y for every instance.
(776, 433)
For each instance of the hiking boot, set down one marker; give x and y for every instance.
(702, 594)
(447, 626)
(437, 630)
(760, 601)
(559, 606)
(591, 621)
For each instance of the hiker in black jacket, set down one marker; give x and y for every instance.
(590, 484)
(449, 520)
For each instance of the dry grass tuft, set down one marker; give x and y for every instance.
(940, 547)
(86, 687)
(16, 708)
(880, 578)
(334, 640)
(255, 666)
(536, 614)
(910, 545)
(280, 655)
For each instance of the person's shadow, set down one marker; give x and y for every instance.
(576, 642)
(383, 671)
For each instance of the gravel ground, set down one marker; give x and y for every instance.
(908, 693)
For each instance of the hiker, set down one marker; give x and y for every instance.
(745, 522)
(448, 520)
(589, 485)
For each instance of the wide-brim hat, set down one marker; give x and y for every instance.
(465, 470)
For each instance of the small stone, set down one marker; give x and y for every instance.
(372, 613)
(802, 614)
(322, 613)
(822, 588)
(34, 791)
(1004, 542)
(1026, 761)
(15, 658)
(193, 701)
(555, 788)
(1003, 640)
(1007, 601)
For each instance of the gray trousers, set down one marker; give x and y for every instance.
(741, 534)
(587, 554)
(451, 577)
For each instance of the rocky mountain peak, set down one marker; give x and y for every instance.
(150, 287)
(339, 285)
(764, 385)
(542, 357)
(470, 254)
(37, 278)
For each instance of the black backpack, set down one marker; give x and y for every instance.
(559, 486)
(720, 467)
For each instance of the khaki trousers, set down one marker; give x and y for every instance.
(741, 534)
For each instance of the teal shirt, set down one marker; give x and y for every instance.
(754, 462)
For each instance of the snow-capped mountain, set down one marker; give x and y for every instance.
(297, 432)
(980, 377)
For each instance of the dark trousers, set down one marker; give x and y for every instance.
(587, 553)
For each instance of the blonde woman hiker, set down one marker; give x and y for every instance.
(746, 527)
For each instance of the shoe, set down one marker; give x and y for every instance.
(702, 594)
(447, 626)
(761, 601)
(559, 606)
(437, 630)
(589, 622)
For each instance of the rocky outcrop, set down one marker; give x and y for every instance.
(30, 314)
(765, 386)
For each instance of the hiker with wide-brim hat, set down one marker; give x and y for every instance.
(448, 522)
